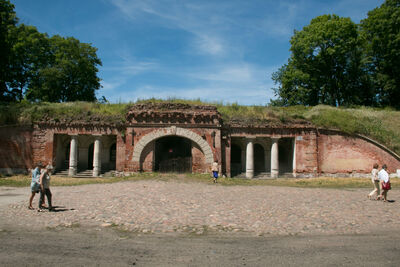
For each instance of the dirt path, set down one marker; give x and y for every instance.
(107, 247)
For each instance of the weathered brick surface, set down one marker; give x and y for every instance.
(198, 160)
(306, 153)
(316, 151)
(15, 149)
(340, 153)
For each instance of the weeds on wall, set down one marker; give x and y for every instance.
(382, 125)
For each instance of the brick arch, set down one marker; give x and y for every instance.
(171, 131)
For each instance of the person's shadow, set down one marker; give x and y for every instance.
(391, 201)
(60, 209)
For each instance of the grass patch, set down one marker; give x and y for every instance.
(321, 182)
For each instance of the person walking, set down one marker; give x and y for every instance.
(375, 182)
(45, 188)
(215, 169)
(384, 179)
(35, 184)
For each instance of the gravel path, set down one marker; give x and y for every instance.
(162, 207)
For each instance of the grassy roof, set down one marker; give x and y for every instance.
(382, 125)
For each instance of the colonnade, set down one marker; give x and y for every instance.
(73, 156)
(250, 157)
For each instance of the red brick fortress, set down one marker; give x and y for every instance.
(171, 137)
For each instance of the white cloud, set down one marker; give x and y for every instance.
(210, 45)
(245, 83)
(190, 18)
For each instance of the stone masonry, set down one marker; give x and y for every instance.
(199, 136)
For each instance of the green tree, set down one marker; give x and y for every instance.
(29, 53)
(70, 75)
(381, 30)
(325, 66)
(8, 20)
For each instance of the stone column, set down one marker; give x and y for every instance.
(250, 159)
(73, 156)
(97, 157)
(274, 158)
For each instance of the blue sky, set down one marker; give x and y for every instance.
(221, 51)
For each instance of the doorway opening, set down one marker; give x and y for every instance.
(259, 159)
(236, 160)
(173, 154)
(286, 155)
(90, 156)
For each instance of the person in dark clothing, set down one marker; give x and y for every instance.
(45, 188)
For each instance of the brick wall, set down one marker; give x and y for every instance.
(306, 153)
(340, 153)
(16, 154)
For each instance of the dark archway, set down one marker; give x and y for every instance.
(67, 152)
(173, 154)
(259, 159)
(286, 155)
(113, 156)
(236, 160)
(90, 156)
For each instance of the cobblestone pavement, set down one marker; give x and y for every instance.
(162, 207)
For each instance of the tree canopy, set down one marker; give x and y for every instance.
(8, 20)
(336, 62)
(37, 67)
(381, 31)
(325, 65)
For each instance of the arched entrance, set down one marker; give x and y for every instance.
(173, 154)
(236, 160)
(259, 159)
(140, 148)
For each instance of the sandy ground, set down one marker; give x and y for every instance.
(150, 223)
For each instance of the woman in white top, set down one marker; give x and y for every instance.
(375, 182)
(384, 179)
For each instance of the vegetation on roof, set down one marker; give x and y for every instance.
(382, 125)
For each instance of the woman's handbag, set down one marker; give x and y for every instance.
(386, 186)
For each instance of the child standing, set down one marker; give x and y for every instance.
(215, 169)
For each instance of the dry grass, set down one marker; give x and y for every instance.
(321, 182)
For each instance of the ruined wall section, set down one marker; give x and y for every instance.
(16, 154)
(342, 153)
